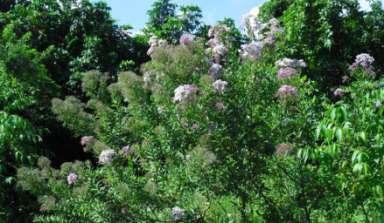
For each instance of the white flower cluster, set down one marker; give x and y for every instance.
(364, 61)
(106, 156)
(293, 63)
(177, 213)
(185, 93)
(154, 43)
(259, 31)
(71, 178)
(220, 86)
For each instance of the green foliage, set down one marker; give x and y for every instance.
(167, 23)
(261, 140)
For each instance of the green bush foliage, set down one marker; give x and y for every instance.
(282, 125)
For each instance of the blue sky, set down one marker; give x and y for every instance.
(134, 12)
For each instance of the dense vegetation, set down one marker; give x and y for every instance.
(279, 122)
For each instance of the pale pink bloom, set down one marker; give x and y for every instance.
(286, 91)
(187, 39)
(286, 72)
(185, 92)
(72, 178)
(220, 50)
(106, 156)
(213, 42)
(220, 85)
(251, 51)
(215, 70)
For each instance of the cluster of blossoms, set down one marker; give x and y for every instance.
(364, 61)
(251, 51)
(220, 86)
(215, 70)
(154, 43)
(177, 213)
(185, 93)
(261, 33)
(289, 67)
(217, 48)
(187, 39)
(72, 178)
(286, 91)
(87, 142)
(106, 156)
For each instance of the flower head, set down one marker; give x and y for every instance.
(220, 85)
(185, 93)
(293, 63)
(106, 156)
(72, 178)
(286, 72)
(286, 91)
(252, 50)
(186, 39)
(215, 70)
(220, 50)
(365, 60)
(177, 213)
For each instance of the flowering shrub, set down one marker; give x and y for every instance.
(219, 130)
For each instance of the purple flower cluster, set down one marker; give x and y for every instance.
(286, 91)
(187, 39)
(215, 70)
(106, 156)
(220, 86)
(286, 72)
(185, 93)
(216, 45)
(251, 51)
(72, 178)
(364, 61)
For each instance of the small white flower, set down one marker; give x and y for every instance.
(177, 213)
(185, 93)
(293, 63)
(220, 86)
(106, 156)
(72, 178)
